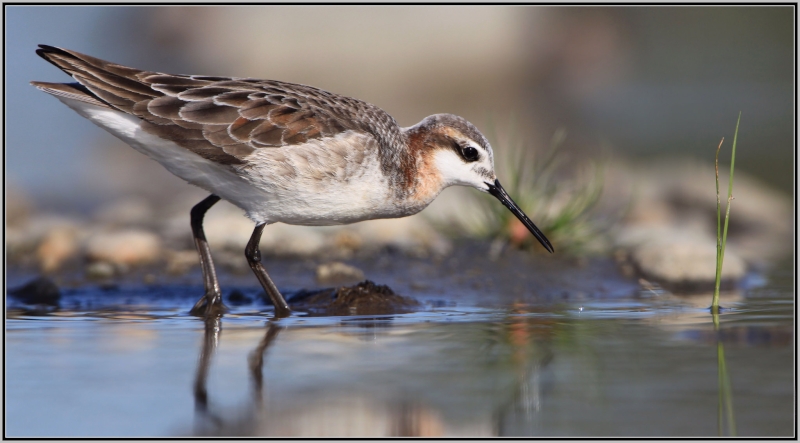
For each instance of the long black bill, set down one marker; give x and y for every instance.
(498, 191)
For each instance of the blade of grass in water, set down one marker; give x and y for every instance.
(715, 298)
(725, 399)
(722, 240)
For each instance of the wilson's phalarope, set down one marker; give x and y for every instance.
(282, 152)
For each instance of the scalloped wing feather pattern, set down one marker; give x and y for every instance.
(221, 119)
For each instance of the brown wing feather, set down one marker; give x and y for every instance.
(222, 119)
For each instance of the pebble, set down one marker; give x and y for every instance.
(59, 245)
(126, 247)
(40, 291)
(99, 270)
(338, 272)
(685, 262)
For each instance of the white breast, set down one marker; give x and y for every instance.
(335, 180)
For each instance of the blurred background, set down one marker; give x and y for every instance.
(640, 82)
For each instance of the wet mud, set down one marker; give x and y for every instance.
(396, 283)
(365, 298)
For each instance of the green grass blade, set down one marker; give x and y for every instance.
(718, 279)
(721, 243)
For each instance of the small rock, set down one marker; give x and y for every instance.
(59, 245)
(129, 247)
(338, 272)
(41, 291)
(99, 270)
(685, 263)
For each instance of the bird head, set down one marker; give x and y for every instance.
(458, 154)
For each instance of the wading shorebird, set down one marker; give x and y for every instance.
(280, 151)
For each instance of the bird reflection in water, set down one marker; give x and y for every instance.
(213, 328)
(207, 421)
(354, 415)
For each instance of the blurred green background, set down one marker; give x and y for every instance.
(640, 82)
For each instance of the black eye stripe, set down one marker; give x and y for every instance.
(467, 152)
(470, 154)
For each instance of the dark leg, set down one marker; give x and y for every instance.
(212, 300)
(254, 260)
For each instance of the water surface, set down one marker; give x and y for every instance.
(642, 365)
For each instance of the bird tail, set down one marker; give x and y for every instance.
(74, 91)
(98, 81)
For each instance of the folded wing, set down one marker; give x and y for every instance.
(221, 119)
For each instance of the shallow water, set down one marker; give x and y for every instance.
(117, 363)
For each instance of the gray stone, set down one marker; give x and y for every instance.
(60, 244)
(337, 272)
(127, 247)
(99, 270)
(682, 260)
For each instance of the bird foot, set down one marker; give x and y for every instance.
(202, 308)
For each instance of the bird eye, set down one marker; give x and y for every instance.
(470, 154)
